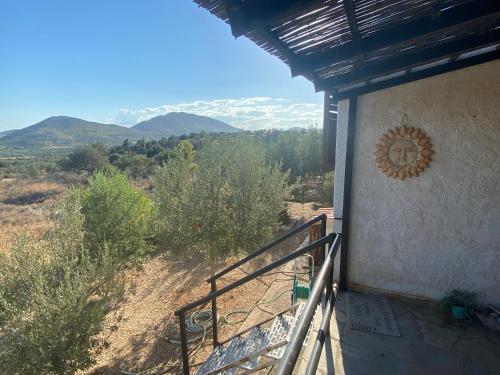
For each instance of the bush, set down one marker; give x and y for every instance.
(86, 158)
(53, 299)
(115, 214)
(326, 189)
(229, 201)
(134, 165)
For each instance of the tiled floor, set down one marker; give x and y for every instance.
(426, 346)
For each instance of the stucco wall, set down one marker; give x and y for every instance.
(441, 230)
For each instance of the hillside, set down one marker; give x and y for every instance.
(177, 123)
(60, 131)
(7, 132)
(64, 131)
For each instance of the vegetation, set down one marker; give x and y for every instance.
(56, 292)
(116, 216)
(86, 158)
(214, 194)
(228, 201)
(459, 298)
(326, 189)
(298, 150)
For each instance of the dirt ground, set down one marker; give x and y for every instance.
(145, 321)
(24, 208)
(139, 333)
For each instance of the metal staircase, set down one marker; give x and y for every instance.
(253, 349)
(261, 347)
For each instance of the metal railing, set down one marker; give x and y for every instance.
(323, 286)
(213, 279)
(214, 293)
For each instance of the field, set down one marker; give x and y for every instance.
(140, 330)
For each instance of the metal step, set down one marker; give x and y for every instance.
(255, 350)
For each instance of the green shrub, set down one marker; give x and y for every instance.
(86, 158)
(326, 189)
(115, 214)
(134, 165)
(53, 299)
(229, 201)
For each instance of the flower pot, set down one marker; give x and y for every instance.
(458, 312)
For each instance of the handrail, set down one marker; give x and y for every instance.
(181, 313)
(324, 328)
(255, 274)
(293, 349)
(263, 249)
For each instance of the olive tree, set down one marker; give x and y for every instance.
(230, 202)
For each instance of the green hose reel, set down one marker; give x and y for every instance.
(300, 290)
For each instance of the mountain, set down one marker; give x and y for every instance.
(6, 132)
(60, 131)
(64, 131)
(177, 123)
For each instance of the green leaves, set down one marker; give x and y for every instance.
(55, 292)
(228, 202)
(115, 214)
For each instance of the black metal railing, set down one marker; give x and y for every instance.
(213, 279)
(270, 245)
(214, 293)
(323, 286)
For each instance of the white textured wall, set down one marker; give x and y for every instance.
(441, 230)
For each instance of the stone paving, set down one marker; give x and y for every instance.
(427, 346)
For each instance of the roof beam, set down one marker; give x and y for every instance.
(409, 30)
(248, 16)
(409, 60)
(351, 18)
(452, 66)
(268, 35)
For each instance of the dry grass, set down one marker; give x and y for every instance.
(145, 320)
(138, 331)
(25, 207)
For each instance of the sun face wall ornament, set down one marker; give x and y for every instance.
(403, 152)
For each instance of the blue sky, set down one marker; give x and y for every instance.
(122, 61)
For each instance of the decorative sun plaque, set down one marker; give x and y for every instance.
(403, 152)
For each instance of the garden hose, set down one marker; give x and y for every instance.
(201, 322)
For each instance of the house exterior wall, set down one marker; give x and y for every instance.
(441, 230)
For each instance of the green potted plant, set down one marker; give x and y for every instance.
(460, 304)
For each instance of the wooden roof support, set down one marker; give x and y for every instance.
(264, 31)
(351, 18)
(329, 132)
(248, 16)
(412, 59)
(397, 34)
(451, 66)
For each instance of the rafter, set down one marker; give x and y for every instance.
(397, 34)
(412, 59)
(452, 66)
(351, 18)
(248, 16)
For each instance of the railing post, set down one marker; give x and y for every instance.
(324, 250)
(215, 334)
(329, 282)
(323, 234)
(184, 343)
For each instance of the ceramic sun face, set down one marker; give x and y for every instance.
(403, 152)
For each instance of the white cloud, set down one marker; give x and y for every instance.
(245, 113)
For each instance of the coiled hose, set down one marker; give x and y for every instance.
(200, 322)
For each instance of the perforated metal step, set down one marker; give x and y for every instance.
(259, 348)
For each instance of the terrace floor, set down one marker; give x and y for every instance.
(426, 346)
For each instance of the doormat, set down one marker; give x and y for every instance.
(370, 313)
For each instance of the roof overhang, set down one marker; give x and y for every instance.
(351, 47)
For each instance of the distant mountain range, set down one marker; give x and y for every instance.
(63, 131)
